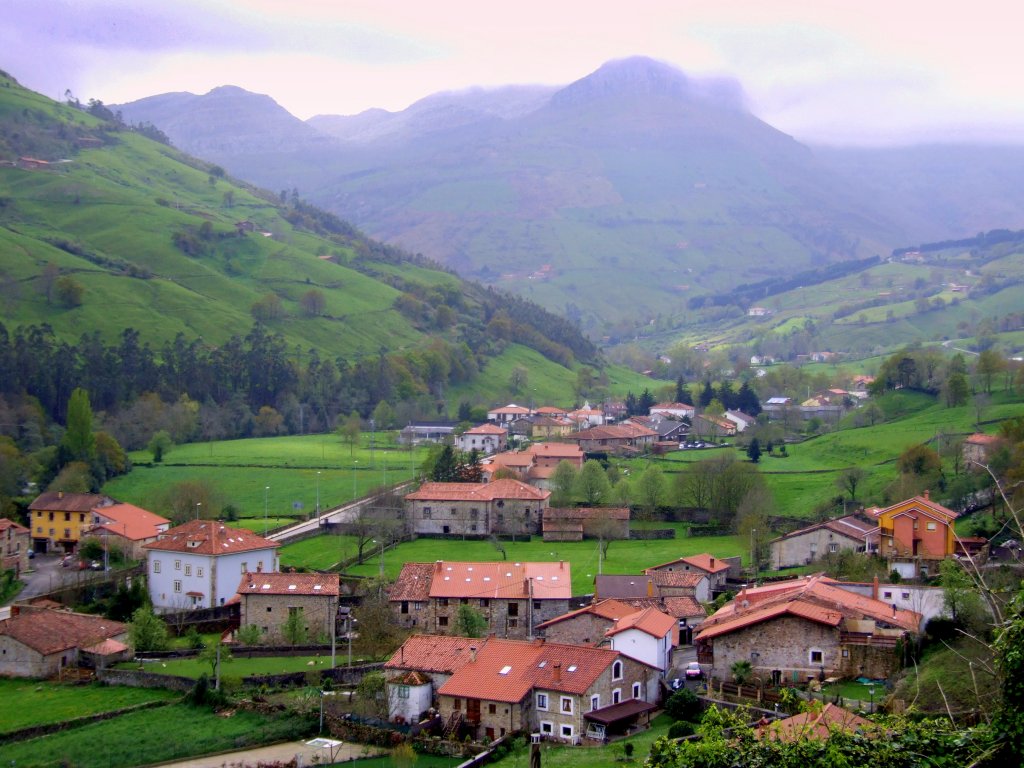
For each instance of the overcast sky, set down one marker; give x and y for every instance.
(867, 72)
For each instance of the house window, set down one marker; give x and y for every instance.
(485, 602)
(846, 653)
(156, 566)
(931, 526)
(405, 606)
(636, 690)
(453, 511)
(616, 696)
(513, 623)
(245, 567)
(816, 656)
(513, 609)
(177, 586)
(442, 621)
(567, 705)
(905, 595)
(67, 533)
(472, 527)
(463, 601)
(199, 572)
(492, 709)
(403, 691)
(51, 517)
(595, 702)
(444, 602)
(566, 731)
(887, 595)
(546, 726)
(67, 517)
(426, 513)
(177, 565)
(456, 704)
(542, 701)
(188, 570)
(833, 547)
(474, 514)
(51, 531)
(617, 670)
(269, 609)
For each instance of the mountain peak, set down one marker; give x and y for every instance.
(644, 76)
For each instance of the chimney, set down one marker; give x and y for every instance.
(874, 589)
(437, 567)
(60, 494)
(15, 610)
(926, 494)
(556, 672)
(561, 565)
(472, 653)
(650, 587)
(712, 561)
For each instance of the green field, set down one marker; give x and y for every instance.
(234, 670)
(24, 703)
(174, 732)
(293, 467)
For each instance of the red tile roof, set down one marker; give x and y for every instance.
(209, 537)
(263, 583)
(502, 580)
(130, 521)
(613, 432)
(496, 489)
(921, 504)
(6, 524)
(413, 583)
(850, 526)
(683, 607)
(508, 670)
(569, 450)
(815, 724)
(442, 654)
(606, 609)
(586, 513)
(684, 579)
(58, 501)
(486, 429)
(703, 561)
(980, 438)
(650, 621)
(48, 631)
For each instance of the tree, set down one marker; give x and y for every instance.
(519, 379)
(349, 427)
(79, 443)
(470, 622)
(110, 456)
(146, 632)
(683, 705)
(752, 522)
(754, 451)
(159, 444)
(960, 597)
(989, 364)
(268, 422)
(313, 302)
(741, 671)
(707, 394)
(250, 635)
(268, 308)
(69, 291)
(294, 627)
(75, 477)
(372, 695)
(215, 654)
(605, 529)
(649, 490)
(849, 479)
(446, 467)
(955, 390)
(919, 460)
(563, 480)
(379, 635)
(592, 483)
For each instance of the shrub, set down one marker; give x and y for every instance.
(683, 705)
(681, 729)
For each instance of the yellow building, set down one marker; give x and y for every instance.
(59, 518)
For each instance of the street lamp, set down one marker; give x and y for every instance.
(318, 493)
(266, 521)
(354, 462)
(198, 505)
(374, 541)
(753, 555)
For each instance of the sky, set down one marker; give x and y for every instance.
(825, 71)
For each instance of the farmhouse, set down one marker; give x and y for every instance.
(578, 523)
(512, 597)
(915, 534)
(977, 449)
(59, 518)
(676, 411)
(40, 642)
(615, 438)
(419, 667)
(486, 438)
(127, 526)
(717, 569)
(15, 542)
(587, 625)
(807, 628)
(476, 509)
(198, 564)
(804, 546)
(309, 600)
(508, 413)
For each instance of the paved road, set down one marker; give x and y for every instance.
(277, 753)
(47, 575)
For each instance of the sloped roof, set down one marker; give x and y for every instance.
(510, 408)
(58, 501)
(486, 429)
(6, 524)
(273, 583)
(106, 647)
(496, 489)
(650, 621)
(586, 513)
(980, 438)
(568, 450)
(501, 580)
(815, 724)
(605, 609)
(670, 407)
(624, 586)
(850, 526)
(441, 654)
(684, 579)
(683, 607)
(130, 521)
(614, 432)
(918, 504)
(704, 561)
(209, 537)
(47, 631)
(508, 670)
(413, 583)
(412, 678)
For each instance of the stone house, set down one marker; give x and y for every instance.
(563, 692)
(578, 523)
(419, 667)
(268, 600)
(58, 518)
(615, 438)
(706, 425)
(804, 546)
(587, 625)
(15, 542)
(40, 642)
(808, 628)
(507, 413)
(717, 569)
(485, 438)
(476, 509)
(977, 449)
(512, 597)
(677, 411)
(198, 564)
(127, 527)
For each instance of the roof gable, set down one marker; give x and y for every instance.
(209, 537)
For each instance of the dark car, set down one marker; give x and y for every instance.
(693, 671)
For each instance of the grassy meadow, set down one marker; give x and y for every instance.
(235, 669)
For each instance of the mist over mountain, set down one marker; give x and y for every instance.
(637, 176)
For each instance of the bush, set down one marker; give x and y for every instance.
(681, 729)
(683, 705)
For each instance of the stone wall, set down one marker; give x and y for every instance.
(134, 678)
(581, 629)
(784, 644)
(270, 613)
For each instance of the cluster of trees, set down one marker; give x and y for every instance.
(932, 371)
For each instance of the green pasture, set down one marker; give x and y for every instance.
(241, 471)
(175, 732)
(320, 553)
(25, 703)
(237, 668)
(582, 556)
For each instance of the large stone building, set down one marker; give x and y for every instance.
(513, 597)
(578, 523)
(620, 439)
(198, 564)
(476, 509)
(804, 546)
(269, 600)
(808, 628)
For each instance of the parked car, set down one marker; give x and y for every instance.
(96, 565)
(67, 561)
(693, 671)
(31, 554)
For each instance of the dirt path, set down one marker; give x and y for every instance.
(277, 752)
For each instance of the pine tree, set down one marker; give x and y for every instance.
(707, 394)
(79, 443)
(754, 451)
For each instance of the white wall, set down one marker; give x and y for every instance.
(217, 578)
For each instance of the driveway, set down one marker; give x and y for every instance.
(48, 575)
(279, 753)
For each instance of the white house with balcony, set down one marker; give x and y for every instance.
(199, 564)
(486, 439)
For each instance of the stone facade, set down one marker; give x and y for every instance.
(15, 542)
(270, 612)
(505, 618)
(581, 629)
(476, 518)
(806, 547)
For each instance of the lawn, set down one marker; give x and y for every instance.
(281, 477)
(24, 703)
(321, 553)
(558, 756)
(233, 671)
(582, 556)
(174, 732)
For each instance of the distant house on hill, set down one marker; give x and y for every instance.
(15, 542)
